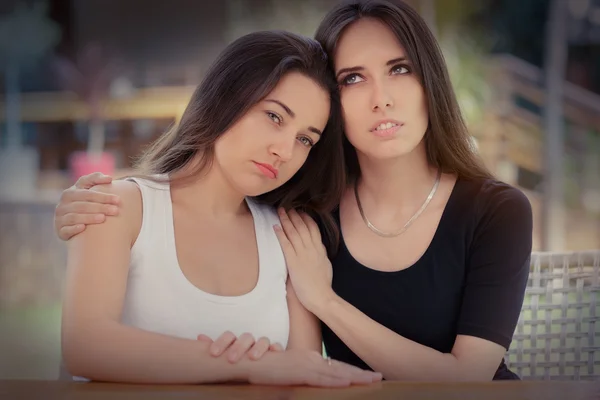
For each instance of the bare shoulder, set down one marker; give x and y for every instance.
(130, 208)
(126, 190)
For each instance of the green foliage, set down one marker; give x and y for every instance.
(465, 48)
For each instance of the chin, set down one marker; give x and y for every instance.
(253, 191)
(255, 187)
(387, 152)
(397, 149)
(391, 147)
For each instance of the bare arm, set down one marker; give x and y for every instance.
(79, 206)
(398, 358)
(95, 344)
(499, 277)
(305, 328)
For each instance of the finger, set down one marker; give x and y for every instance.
(327, 381)
(203, 338)
(290, 230)
(82, 207)
(240, 347)
(89, 196)
(259, 349)
(338, 369)
(67, 232)
(286, 245)
(301, 227)
(346, 367)
(78, 219)
(276, 347)
(96, 178)
(355, 374)
(222, 343)
(313, 229)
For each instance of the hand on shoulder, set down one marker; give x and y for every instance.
(130, 209)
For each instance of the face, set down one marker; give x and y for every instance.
(269, 144)
(384, 105)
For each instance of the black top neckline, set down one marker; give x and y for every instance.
(436, 236)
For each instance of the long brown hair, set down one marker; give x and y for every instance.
(447, 141)
(245, 72)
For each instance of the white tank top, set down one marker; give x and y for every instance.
(160, 298)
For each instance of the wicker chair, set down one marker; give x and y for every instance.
(558, 333)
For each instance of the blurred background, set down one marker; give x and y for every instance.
(87, 84)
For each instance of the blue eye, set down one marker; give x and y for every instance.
(351, 79)
(400, 69)
(306, 141)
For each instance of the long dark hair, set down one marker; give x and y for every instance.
(447, 141)
(245, 72)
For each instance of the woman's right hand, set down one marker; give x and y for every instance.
(303, 367)
(79, 206)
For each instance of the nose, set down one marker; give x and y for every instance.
(283, 147)
(381, 97)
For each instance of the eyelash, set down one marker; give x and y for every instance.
(272, 116)
(344, 81)
(310, 141)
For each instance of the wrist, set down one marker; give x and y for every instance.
(220, 368)
(252, 371)
(242, 370)
(323, 302)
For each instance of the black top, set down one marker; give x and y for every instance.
(470, 281)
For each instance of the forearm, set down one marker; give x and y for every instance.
(305, 328)
(307, 338)
(118, 353)
(396, 357)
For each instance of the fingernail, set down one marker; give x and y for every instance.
(79, 227)
(233, 356)
(214, 351)
(276, 227)
(255, 353)
(99, 218)
(113, 209)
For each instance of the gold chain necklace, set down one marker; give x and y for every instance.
(409, 222)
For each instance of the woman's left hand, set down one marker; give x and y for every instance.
(306, 258)
(235, 348)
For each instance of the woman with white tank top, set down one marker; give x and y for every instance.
(192, 252)
(161, 298)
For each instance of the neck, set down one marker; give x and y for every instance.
(404, 182)
(209, 194)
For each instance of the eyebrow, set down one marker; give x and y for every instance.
(359, 68)
(314, 130)
(293, 115)
(286, 108)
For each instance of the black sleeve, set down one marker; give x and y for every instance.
(498, 265)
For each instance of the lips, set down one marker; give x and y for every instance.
(385, 124)
(267, 170)
(386, 128)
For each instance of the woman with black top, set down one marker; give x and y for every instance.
(427, 278)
